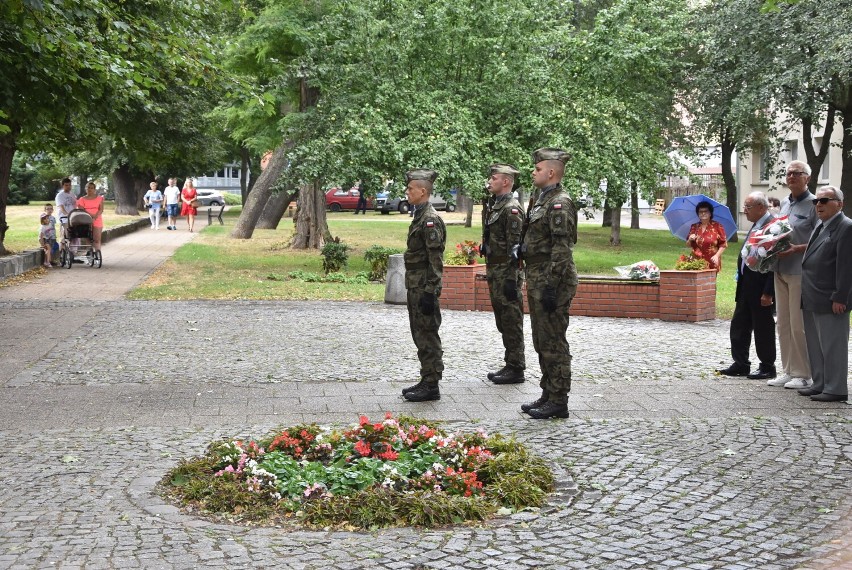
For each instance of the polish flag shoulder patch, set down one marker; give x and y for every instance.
(514, 210)
(557, 206)
(430, 224)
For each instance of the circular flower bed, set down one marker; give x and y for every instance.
(396, 472)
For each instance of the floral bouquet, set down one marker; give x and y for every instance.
(646, 270)
(763, 246)
(465, 254)
(689, 262)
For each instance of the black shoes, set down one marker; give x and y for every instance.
(509, 375)
(491, 375)
(549, 410)
(735, 370)
(762, 374)
(829, 397)
(412, 388)
(808, 392)
(538, 403)
(423, 393)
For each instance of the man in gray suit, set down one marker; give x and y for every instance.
(827, 298)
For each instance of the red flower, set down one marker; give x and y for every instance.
(362, 447)
(363, 420)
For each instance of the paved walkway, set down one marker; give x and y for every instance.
(661, 465)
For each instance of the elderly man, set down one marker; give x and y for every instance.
(502, 220)
(827, 298)
(753, 309)
(548, 252)
(424, 268)
(799, 210)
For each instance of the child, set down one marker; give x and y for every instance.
(48, 208)
(46, 237)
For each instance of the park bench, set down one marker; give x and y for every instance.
(211, 215)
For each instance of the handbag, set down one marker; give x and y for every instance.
(194, 203)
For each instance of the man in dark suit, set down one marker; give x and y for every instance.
(753, 310)
(827, 298)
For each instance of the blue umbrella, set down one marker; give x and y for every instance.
(680, 215)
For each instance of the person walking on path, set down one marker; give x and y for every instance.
(94, 205)
(189, 208)
(65, 203)
(827, 298)
(548, 254)
(502, 220)
(46, 237)
(424, 268)
(172, 198)
(799, 209)
(753, 309)
(362, 199)
(154, 200)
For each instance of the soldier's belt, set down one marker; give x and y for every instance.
(498, 258)
(533, 259)
(417, 265)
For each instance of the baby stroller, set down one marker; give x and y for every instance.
(77, 241)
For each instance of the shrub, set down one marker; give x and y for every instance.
(335, 256)
(377, 256)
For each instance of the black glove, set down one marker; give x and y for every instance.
(427, 303)
(548, 299)
(510, 289)
(483, 249)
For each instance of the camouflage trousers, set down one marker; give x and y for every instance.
(424, 331)
(509, 316)
(554, 354)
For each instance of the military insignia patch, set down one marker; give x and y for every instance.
(515, 225)
(433, 235)
(430, 224)
(514, 210)
(558, 221)
(557, 206)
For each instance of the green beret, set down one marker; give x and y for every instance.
(420, 174)
(548, 153)
(503, 169)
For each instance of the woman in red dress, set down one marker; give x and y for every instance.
(707, 238)
(187, 195)
(94, 205)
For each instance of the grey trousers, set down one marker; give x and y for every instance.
(827, 335)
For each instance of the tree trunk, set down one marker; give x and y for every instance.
(634, 205)
(816, 159)
(607, 214)
(728, 147)
(846, 171)
(124, 186)
(258, 197)
(467, 203)
(84, 179)
(311, 224)
(245, 161)
(8, 146)
(615, 223)
(274, 211)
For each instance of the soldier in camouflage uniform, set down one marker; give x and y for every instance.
(424, 267)
(547, 251)
(502, 220)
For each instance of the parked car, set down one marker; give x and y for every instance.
(386, 204)
(211, 198)
(337, 199)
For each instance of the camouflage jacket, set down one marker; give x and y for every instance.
(551, 232)
(424, 253)
(503, 220)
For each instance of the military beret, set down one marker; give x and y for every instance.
(503, 169)
(548, 153)
(421, 174)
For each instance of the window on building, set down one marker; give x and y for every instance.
(762, 164)
(793, 150)
(220, 174)
(235, 173)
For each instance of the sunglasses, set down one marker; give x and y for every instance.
(824, 200)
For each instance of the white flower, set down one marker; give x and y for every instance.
(775, 229)
(761, 251)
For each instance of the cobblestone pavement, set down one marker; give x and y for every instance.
(661, 465)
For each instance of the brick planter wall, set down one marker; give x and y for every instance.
(677, 296)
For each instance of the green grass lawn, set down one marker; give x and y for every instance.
(215, 266)
(24, 224)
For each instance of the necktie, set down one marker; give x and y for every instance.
(815, 235)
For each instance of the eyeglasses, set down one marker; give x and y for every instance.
(824, 200)
(796, 173)
(747, 207)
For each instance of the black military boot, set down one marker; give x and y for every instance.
(503, 370)
(549, 410)
(423, 393)
(538, 403)
(512, 375)
(412, 388)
